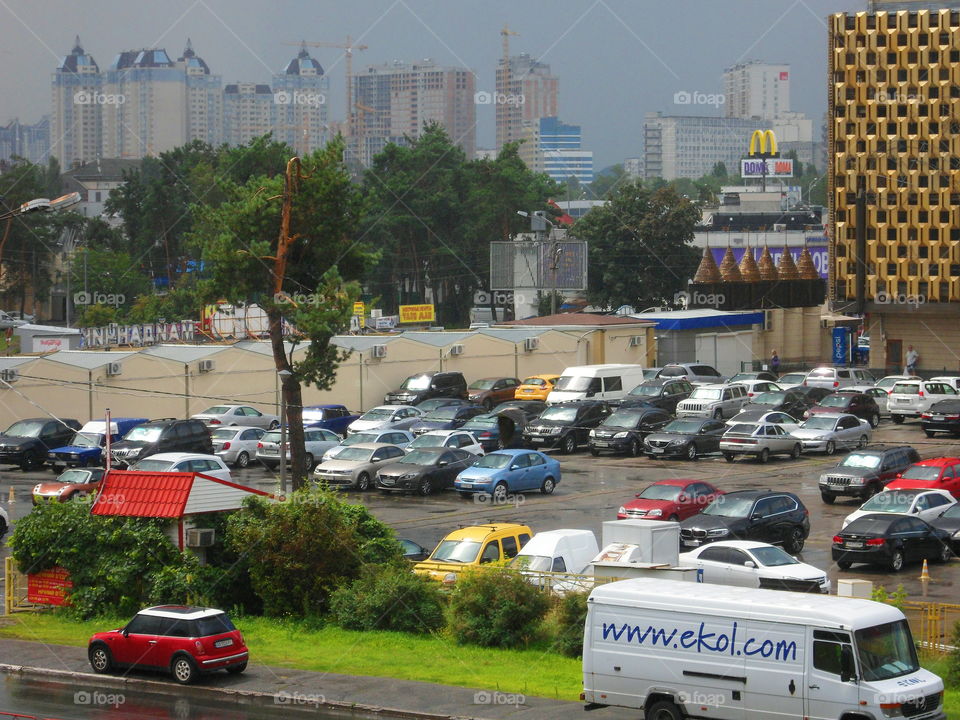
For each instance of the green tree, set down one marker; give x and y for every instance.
(640, 252)
(607, 181)
(719, 170)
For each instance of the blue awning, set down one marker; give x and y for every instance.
(720, 320)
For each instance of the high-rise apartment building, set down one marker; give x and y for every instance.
(894, 143)
(27, 141)
(554, 147)
(525, 92)
(247, 112)
(395, 100)
(300, 93)
(875, 6)
(204, 99)
(75, 120)
(756, 90)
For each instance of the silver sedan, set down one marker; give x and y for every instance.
(225, 415)
(826, 433)
(760, 440)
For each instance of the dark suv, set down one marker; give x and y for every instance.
(28, 442)
(566, 425)
(624, 430)
(663, 393)
(770, 516)
(424, 386)
(161, 436)
(866, 472)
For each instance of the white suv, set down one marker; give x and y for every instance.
(713, 401)
(835, 378)
(910, 398)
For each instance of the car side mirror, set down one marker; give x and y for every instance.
(750, 564)
(441, 463)
(125, 632)
(514, 467)
(683, 498)
(637, 495)
(756, 516)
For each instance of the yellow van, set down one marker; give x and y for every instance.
(536, 387)
(472, 546)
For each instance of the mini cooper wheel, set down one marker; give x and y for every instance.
(183, 669)
(100, 658)
(237, 669)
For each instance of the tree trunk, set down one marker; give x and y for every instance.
(292, 396)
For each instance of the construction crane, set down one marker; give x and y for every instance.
(348, 47)
(503, 109)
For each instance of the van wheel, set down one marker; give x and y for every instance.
(663, 710)
(831, 447)
(548, 485)
(897, 419)
(874, 420)
(183, 670)
(243, 459)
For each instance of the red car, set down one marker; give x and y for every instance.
(184, 641)
(936, 474)
(674, 500)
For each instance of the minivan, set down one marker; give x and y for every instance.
(427, 385)
(609, 382)
(157, 436)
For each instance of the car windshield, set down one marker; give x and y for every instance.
(444, 413)
(859, 460)
(624, 418)
(217, 410)
(533, 563)
(743, 429)
(661, 492)
(646, 391)
(26, 428)
(87, 440)
(725, 506)
(921, 472)
(153, 465)
(773, 556)
(682, 426)
(835, 401)
(673, 372)
(573, 383)
(144, 434)
(461, 551)
(417, 382)
(559, 414)
(354, 453)
(889, 501)
(494, 460)
(360, 438)
(427, 441)
(223, 433)
(819, 423)
(702, 393)
(271, 437)
(886, 651)
(377, 414)
(791, 378)
(822, 373)
(742, 376)
(537, 382)
(481, 422)
(482, 384)
(214, 625)
(906, 388)
(420, 457)
(74, 477)
(768, 398)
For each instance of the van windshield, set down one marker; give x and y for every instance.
(461, 551)
(573, 383)
(534, 563)
(886, 651)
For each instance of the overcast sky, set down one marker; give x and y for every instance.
(616, 59)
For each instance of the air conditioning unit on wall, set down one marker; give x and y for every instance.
(379, 351)
(114, 369)
(207, 366)
(10, 375)
(201, 537)
(636, 341)
(531, 344)
(456, 349)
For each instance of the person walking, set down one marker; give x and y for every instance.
(913, 357)
(775, 362)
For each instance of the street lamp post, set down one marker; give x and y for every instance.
(284, 374)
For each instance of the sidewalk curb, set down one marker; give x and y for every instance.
(163, 688)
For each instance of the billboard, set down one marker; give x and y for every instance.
(819, 253)
(417, 313)
(776, 167)
(49, 587)
(528, 265)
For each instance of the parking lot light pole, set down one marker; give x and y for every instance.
(284, 374)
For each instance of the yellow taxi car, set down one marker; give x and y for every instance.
(473, 546)
(536, 387)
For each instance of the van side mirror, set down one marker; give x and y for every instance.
(848, 669)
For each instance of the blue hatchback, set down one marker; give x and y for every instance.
(509, 471)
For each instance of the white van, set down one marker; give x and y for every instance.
(596, 382)
(559, 551)
(676, 649)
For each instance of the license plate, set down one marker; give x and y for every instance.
(692, 543)
(853, 544)
(537, 441)
(656, 450)
(226, 642)
(466, 484)
(937, 418)
(903, 400)
(601, 443)
(528, 392)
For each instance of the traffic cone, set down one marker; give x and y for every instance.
(11, 498)
(925, 573)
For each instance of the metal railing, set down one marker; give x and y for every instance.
(15, 590)
(932, 624)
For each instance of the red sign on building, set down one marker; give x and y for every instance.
(49, 587)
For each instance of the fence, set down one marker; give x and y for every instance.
(15, 589)
(932, 624)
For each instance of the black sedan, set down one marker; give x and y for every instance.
(942, 417)
(687, 437)
(624, 430)
(792, 402)
(424, 471)
(891, 541)
(663, 393)
(448, 417)
(950, 523)
(428, 406)
(811, 394)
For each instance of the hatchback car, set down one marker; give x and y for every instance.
(566, 425)
(185, 462)
(69, 485)
(826, 433)
(754, 564)
(447, 439)
(852, 403)
(492, 391)
(912, 398)
(686, 437)
(935, 474)
(948, 522)
(866, 472)
(184, 641)
(663, 393)
(749, 415)
(625, 429)
(237, 415)
(394, 417)
(236, 445)
(536, 387)
(316, 443)
(924, 504)
(509, 471)
(942, 417)
(770, 516)
(890, 541)
(760, 440)
(791, 380)
(424, 471)
(672, 500)
(473, 546)
(356, 466)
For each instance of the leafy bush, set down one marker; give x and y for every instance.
(496, 607)
(306, 547)
(569, 616)
(953, 658)
(389, 597)
(896, 598)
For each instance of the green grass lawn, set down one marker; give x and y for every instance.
(436, 659)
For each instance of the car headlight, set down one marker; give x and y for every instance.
(718, 532)
(449, 578)
(654, 513)
(957, 534)
(133, 452)
(857, 481)
(623, 511)
(676, 442)
(36, 489)
(593, 433)
(620, 435)
(52, 455)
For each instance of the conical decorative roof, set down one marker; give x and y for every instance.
(748, 267)
(708, 272)
(768, 271)
(808, 271)
(728, 268)
(787, 267)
